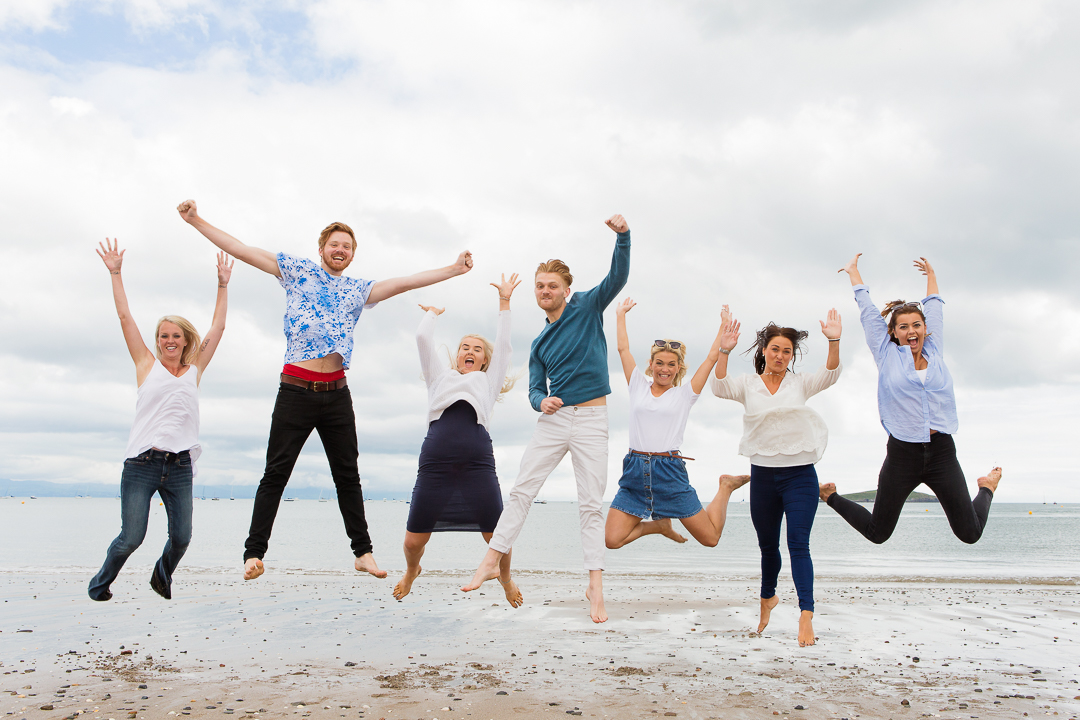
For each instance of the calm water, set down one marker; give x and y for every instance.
(1022, 541)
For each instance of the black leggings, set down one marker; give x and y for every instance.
(906, 466)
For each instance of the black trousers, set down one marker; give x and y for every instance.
(297, 412)
(906, 466)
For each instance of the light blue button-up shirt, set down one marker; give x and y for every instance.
(908, 408)
(321, 310)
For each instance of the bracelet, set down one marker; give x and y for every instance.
(834, 340)
(223, 286)
(726, 352)
(504, 298)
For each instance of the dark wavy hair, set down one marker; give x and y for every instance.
(767, 333)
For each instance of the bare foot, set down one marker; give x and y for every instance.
(366, 563)
(488, 570)
(596, 607)
(734, 482)
(669, 532)
(991, 480)
(826, 490)
(766, 610)
(513, 594)
(253, 568)
(404, 585)
(806, 629)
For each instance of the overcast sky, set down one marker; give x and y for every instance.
(753, 148)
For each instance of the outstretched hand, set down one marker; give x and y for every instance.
(625, 306)
(224, 268)
(924, 267)
(831, 328)
(432, 308)
(188, 211)
(110, 256)
(725, 315)
(729, 335)
(463, 264)
(506, 287)
(617, 223)
(853, 266)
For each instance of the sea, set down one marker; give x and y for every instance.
(1022, 543)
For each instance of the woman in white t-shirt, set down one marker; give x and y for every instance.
(164, 441)
(654, 480)
(783, 439)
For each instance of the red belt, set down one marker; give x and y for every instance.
(314, 385)
(672, 454)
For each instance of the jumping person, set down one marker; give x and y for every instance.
(322, 308)
(918, 410)
(783, 439)
(456, 488)
(164, 441)
(568, 384)
(654, 480)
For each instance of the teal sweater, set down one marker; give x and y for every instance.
(568, 359)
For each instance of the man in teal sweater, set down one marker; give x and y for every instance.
(568, 384)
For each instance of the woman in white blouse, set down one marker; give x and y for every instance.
(164, 441)
(654, 481)
(456, 488)
(783, 439)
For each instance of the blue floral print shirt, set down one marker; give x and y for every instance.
(321, 310)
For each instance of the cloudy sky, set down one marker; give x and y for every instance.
(753, 147)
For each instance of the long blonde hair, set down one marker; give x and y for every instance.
(191, 337)
(511, 377)
(680, 353)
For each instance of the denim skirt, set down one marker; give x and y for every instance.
(656, 486)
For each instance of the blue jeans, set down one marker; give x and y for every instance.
(774, 493)
(169, 475)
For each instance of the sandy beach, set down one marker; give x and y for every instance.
(334, 645)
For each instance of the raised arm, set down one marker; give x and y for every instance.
(729, 338)
(623, 340)
(831, 329)
(430, 364)
(499, 362)
(256, 257)
(852, 269)
(385, 289)
(697, 383)
(221, 307)
(113, 258)
(619, 272)
(931, 277)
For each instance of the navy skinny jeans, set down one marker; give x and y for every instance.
(907, 465)
(774, 494)
(169, 475)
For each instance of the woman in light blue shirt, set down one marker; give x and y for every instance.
(918, 410)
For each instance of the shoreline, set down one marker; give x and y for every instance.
(672, 645)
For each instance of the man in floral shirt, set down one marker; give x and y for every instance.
(322, 308)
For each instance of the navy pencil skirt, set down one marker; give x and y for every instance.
(456, 488)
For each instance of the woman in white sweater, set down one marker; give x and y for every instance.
(164, 441)
(456, 488)
(783, 439)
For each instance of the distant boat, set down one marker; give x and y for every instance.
(289, 499)
(33, 498)
(539, 502)
(232, 498)
(215, 498)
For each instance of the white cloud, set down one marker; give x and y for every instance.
(753, 152)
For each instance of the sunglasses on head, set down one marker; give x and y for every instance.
(664, 343)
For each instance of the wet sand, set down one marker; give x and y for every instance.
(333, 645)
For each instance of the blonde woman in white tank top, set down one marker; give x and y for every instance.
(164, 441)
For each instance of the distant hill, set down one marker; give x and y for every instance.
(869, 495)
(40, 488)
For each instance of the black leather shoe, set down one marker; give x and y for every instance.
(159, 585)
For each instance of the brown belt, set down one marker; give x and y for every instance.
(674, 454)
(315, 385)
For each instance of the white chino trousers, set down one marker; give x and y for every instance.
(583, 432)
